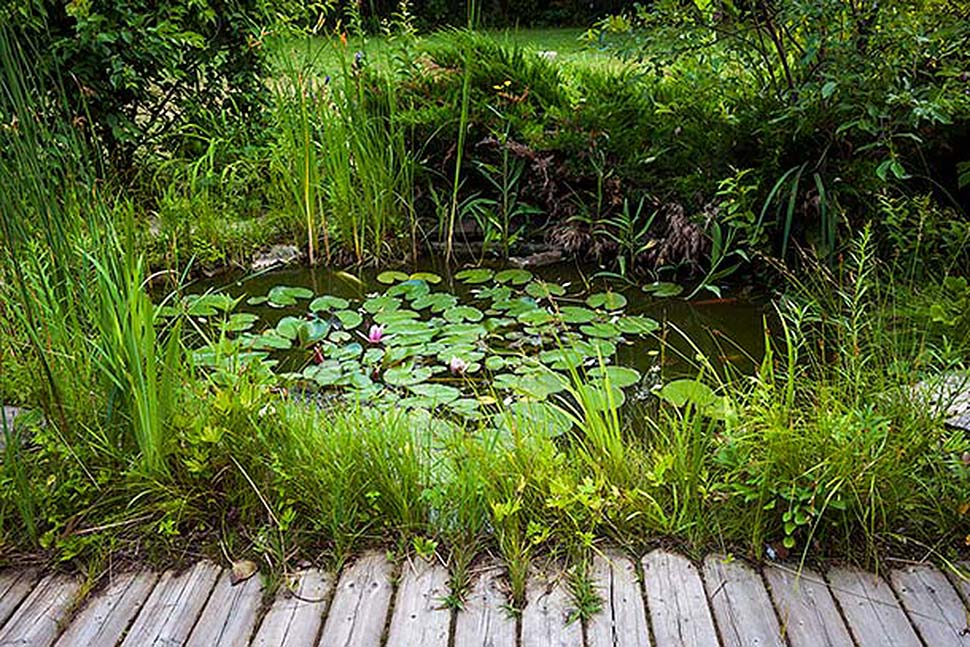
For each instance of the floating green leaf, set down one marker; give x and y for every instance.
(283, 295)
(636, 325)
(381, 304)
(681, 393)
(437, 302)
(391, 276)
(663, 289)
(618, 376)
(410, 290)
(407, 375)
(601, 329)
(436, 394)
(349, 318)
(463, 313)
(476, 275)
(544, 290)
(240, 321)
(606, 300)
(427, 277)
(328, 303)
(514, 276)
(576, 315)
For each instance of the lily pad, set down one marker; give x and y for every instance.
(391, 276)
(348, 318)
(410, 290)
(598, 398)
(427, 277)
(577, 315)
(619, 376)
(606, 300)
(476, 275)
(514, 276)
(463, 313)
(637, 325)
(407, 375)
(602, 329)
(282, 296)
(288, 327)
(436, 394)
(437, 302)
(381, 304)
(663, 289)
(328, 303)
(682, 393)
(240, 321)
(544, 290)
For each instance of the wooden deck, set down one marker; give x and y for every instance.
(663, 600)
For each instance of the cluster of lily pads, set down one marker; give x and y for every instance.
(517, 340)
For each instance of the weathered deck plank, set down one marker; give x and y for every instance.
(484, 620)
(676, 602)
(173, 607)
(14, 587)
(933, 605)
(104, 619)
(229, 616)
(37, 620)
(546, 619)
(742, 607)
(360, 603)
(807, 609)
(420, 617)
(874, 616)
(623, 620)
(295, 620)
(961, 581)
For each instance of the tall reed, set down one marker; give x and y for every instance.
(79, 287)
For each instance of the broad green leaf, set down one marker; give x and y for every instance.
(407, 375)
(476, 275)
(606, 300)
(328, 303)
(391, 276)
(427, 277)
(463, 313)
(663, 289)
(514, 276)
(637, 325)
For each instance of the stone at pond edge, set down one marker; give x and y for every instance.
(276, 256)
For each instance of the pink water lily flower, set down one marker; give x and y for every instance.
(457, 366)
(376, 334)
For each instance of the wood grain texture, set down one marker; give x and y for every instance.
(105, 617)
(741, 604)
(173, 607)
(420, 617)
(809, 615)
(484, 620)
(37, 621)
(676, 602)
(360, 602)
(622, 622)
(959, 576)
(230, 615)
(933, 605)
(547, 613)
(874, 616)
(14, 587)
(295, 620)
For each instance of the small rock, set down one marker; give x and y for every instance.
(276, 256)
(242, 571)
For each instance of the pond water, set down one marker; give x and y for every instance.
(729, 331)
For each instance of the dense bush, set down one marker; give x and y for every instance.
(137, 70)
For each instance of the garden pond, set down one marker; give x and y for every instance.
(477, 340)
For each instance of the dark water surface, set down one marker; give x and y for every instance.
(729, 331)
